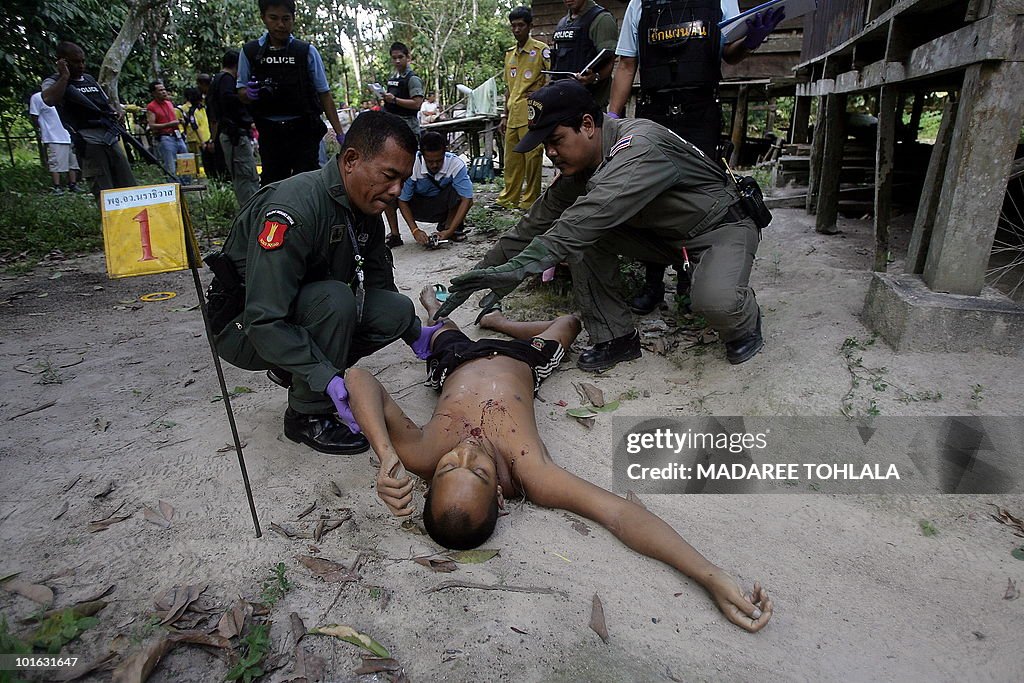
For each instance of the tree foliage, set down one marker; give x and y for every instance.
(452, 41)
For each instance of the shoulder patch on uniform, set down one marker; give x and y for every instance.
(546, 53)
(275, 225)
(622, 144)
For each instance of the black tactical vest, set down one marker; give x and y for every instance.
(283, 75)
(679, 44)
(573, 47)
(399, 87)
(75, 113)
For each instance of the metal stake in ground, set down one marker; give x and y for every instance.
(193, 263)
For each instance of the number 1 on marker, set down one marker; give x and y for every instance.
(147, 247)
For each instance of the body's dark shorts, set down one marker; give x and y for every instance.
(452, 348)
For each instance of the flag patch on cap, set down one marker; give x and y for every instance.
(622, 144)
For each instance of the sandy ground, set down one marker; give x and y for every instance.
(861, 593)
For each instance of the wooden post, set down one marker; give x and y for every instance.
(817, 147)
(915, 115)
(988, 124)
(739, 124)
(831, 164)
(884, 149)
(798, 120)
(917, 252)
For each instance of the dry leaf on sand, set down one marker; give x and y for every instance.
(597, 618)
(436, 564)
(232, 622)
(35, 592)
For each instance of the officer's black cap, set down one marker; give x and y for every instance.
(556, 103)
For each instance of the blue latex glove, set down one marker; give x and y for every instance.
(612, 115)
(761, 25)
(339, 394)
(340, 137)
(252, 90)
(421, 347)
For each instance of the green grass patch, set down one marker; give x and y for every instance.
(35, 223)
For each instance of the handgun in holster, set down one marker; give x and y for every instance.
(226, 295)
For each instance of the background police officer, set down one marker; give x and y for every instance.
(231, 128)
(404, 95)
(677, 46)
(585, 30)
(628, 187)
(283, 80)
(312, 281)
(86, 112)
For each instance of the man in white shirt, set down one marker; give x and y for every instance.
(430, 111)
(60, 157)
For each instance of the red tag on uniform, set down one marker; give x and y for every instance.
(272, 236)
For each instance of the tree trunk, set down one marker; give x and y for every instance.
(113, 61)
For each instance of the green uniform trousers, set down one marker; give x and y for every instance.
(721, 260)
(520, 169)
(242, 164)
(327, 310)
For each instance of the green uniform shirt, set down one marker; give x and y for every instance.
(650, 179)
(289, 234)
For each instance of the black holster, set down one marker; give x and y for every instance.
(226, 295)
(752, 200)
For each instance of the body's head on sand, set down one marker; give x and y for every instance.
(461, 507)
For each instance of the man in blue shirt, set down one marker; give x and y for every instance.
(438, 191)
(283, 81)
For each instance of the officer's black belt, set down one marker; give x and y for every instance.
(679, 96)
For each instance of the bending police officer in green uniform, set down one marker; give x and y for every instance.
(305, 287)
(634, 188)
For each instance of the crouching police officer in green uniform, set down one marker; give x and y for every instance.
(304, 286)
(629, 187)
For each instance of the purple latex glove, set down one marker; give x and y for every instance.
(340, 137)
(339, 394)
(421, 347)
(613, 115)
(252, 90)
(761, 25)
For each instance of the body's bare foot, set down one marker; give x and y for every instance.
(428, 297)
(492, 320)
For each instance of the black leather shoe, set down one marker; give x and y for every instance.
(650, 297)
(606, 355)
(742, 350)
(281, 378)
(325, 433)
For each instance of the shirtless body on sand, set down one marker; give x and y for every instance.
(482, 445)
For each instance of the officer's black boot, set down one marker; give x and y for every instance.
(606, 355)
(653, 293)
(325, 433)
(743, 349)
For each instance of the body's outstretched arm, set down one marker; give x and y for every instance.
(547, 484)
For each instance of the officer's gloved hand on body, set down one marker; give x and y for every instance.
(532, 260)
(339, 395)
(252, 90)
(421, 347)
(761, 25)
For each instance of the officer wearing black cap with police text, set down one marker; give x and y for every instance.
(628, 187)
